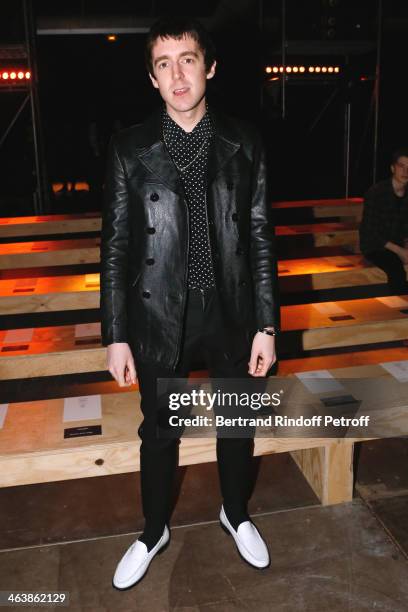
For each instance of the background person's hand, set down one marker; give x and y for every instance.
(120, 363)
(263, 354)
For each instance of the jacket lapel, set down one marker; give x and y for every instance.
(155, 157)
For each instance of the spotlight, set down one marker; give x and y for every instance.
(112, 37)
(324, 69)
(295, 69)
(20, 75)
(330, 69)
(268, 69)
(311, 68)
(302, 69)
(5, 75)
(317, 68)
(281, 69)
(28, 75)
(337, 69)
(275, 69)
(13, 76)
(288, 69)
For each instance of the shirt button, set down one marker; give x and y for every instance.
(230, 186)
(150, 261)
(146, 294)
(154, 197)
(151, 230)
(234, 216)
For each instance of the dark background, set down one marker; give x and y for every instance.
(85, 78)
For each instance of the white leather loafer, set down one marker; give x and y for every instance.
(250, 544)
(136, 560)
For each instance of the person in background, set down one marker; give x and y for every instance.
(384, 226)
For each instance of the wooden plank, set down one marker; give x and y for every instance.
(49, 253)
(33, 447)
(346, 323)
(336, 202)
(13, 227)
(329, 470)
(321, 234)
(81, 291)
(56, 350)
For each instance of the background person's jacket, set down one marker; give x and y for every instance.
(145, 234)
(385, 217)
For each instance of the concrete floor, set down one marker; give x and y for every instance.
(69, 536)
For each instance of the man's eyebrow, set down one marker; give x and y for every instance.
(164, 57)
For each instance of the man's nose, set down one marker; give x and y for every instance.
(177, 72)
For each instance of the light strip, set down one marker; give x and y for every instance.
(302, 69)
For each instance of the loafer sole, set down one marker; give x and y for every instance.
(130, 586)
(227, 531)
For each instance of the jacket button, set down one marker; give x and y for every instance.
(234, 216)
(146, 294)
(230, 186)
(154, 197)
(151, 230)
(242, 283)
(150, 261)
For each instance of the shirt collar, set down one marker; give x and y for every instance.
(173, 131)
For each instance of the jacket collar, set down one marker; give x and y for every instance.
(154, 156)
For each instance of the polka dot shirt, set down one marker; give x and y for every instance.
(189, 152)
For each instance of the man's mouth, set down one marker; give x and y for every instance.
(180, 91)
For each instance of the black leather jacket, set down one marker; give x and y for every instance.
(145, 234)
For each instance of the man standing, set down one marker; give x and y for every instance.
(187, 266)
(384, 227)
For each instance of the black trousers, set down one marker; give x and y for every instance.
(393, 267)
(202, 336)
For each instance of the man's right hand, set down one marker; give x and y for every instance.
(398, 250)
(120, 363)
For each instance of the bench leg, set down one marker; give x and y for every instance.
(328, 470)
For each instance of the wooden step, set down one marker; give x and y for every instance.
(13, 227)
(49, 253)
(319, 234)
(342, 207)
(67, 349)
(34, 449)
(81, 291)
(346, 323)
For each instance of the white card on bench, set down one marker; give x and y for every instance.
(319, 381)
(83, 330)
(393, 301)
(3, 412)
(329, 308)
(19, 335)
(82, 408)
(397, 369)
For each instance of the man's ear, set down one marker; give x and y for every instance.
(211, 71)
(153, 80)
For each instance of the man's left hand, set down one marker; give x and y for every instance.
(263, 354)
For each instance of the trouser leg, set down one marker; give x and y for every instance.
(234, 455)
(159, 455)
(392, 265)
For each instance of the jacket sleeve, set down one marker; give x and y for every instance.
(114, 251)
(263, 245)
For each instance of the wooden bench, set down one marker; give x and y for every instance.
(81, 291)
(49, 253)
(319, 234)
(42, 225)
(69, 349)
(319, 209)
(33, 448)
(346, 323)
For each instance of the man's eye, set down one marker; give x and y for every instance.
(188, 60)
(162, 65)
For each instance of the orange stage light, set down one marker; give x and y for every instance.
(112, 37)
(268, 69)
(275, 69)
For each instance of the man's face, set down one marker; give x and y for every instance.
(400, 170)
(179, 72)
